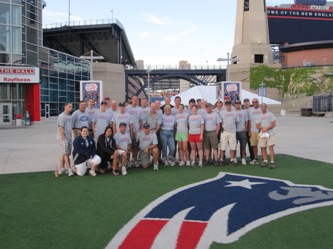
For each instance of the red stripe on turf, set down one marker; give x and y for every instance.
(143, 234)
(190, 234)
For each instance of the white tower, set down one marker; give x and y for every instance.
(251, 43)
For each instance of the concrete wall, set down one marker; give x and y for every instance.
(113, 77)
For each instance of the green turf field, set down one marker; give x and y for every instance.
(38, 210)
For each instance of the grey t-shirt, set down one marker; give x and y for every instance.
(90, 113)
(243, 117)
(101, 121)
(182, 122)
(123, 140)
(80, 119)
(123, 118)
(112, 112)
(229, 119)
(144, 112)
(211, 121)
(135, 112)
(253, 116)
(266, 120)
(168, 122)
(153, 121)
(146, 140)
(65, 121)
(195, 122)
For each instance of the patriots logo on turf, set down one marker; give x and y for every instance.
(219, 210)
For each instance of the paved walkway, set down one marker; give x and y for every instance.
(35, 149)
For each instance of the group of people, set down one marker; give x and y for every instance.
(110, 136)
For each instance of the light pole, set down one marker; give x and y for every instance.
(91, 57)
(148, 72)
(228, 59)
(262, 84)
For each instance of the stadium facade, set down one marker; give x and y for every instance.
(33, 78)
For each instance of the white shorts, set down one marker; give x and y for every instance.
(228, 138)
(81, 168)
(119, 152)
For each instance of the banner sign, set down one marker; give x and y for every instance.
(231, 89)
(91, 89)
(19, 75)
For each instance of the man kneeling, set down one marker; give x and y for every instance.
(148, 147)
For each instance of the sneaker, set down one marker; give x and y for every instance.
(200, 164)
(123, 170)
(272, 165)
(216, 163)
(193, 163)
(115, 173)
(243, 161)
(254, 161)
(188, 163)
(264, 164)
(171, 163)
(221, 163)
(232, 163)
(181, 163)
(70, 172)
(235, 160)
(92, 172)
(62, 171)
(156, 167)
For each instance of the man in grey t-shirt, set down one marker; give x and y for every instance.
(266, 123)
(212, 129)
(64, 137)
(79, 119)
(147, 141)
(100, 120)
(228, 136)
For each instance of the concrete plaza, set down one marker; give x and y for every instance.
(35, 149)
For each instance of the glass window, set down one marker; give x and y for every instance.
(16, 16)
(17, 40)
(4, 13)
(4, 38)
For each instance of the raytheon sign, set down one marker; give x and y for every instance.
(19, 75)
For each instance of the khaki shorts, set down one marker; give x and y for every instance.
(76, 133)
(254, 139)
(210, 140)
(264, 142)
(145, 157)
(228, 138)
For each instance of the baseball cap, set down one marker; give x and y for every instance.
(246, 100)
(122, 123)
(263, 135)
(146, 126)
(209, 105)
(104, 103)
(219, 100)
(107, 98)
(191, 100)
(238, 102)
(228, 102)
(121, 104)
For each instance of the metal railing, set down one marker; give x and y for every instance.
(323, 102)
(83, 23)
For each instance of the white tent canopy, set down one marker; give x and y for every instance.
(209, 93)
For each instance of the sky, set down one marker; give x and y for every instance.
(162, 32)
